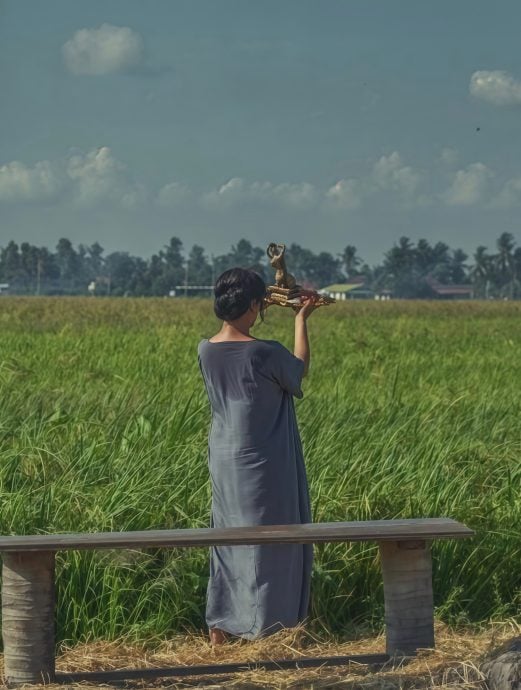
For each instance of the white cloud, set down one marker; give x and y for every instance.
(389, 173)
(172, 194)
(469, 186)
(345, 194)
(83, 178)
(297, 195)
(99, 177)
(19, 182)
(301, 195)
(496, 86)
(104, 50)
(449, 156)
(510, 195)
(227, 194)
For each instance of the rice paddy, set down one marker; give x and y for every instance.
(411, 409)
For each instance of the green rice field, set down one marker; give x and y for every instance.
(411, 409)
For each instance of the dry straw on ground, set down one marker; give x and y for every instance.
(454, 664)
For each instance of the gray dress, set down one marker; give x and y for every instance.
(258, 477)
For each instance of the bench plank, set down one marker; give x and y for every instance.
(373, 530)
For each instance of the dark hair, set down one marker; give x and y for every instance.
(234, 292)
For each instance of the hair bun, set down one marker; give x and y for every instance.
(234, 292)
(232, 304)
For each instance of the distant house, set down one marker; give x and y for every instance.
(356, 289)
(442, 291)
(4, 288)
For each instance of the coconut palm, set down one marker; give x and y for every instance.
(482, 271)
(350, 260)
(504, 262)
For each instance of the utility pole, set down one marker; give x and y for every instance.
(186, 278)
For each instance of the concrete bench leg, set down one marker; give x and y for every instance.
(409, 608)
(28, 617)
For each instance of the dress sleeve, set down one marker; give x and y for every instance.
(286, 369)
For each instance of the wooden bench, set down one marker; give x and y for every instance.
(28, 592)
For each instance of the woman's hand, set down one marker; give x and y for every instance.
(309, 304)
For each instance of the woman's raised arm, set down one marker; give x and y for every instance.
(301, 349)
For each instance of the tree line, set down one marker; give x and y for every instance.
(407, 269)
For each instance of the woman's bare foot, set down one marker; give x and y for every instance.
(217, 636)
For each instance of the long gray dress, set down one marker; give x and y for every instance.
(258, 477)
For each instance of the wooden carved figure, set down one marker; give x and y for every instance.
(286, 292)
(276, 253)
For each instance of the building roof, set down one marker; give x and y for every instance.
(453, 289)
(442, 289)
(342, 287)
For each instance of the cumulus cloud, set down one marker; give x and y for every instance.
(301, 195)
(449, 156)
(390, 173)
(469, 186)
(496, 86)
(104, 50)
(346, 194)
(98, 176)
(229, 193)
(510, 195)
(83, 178)
(172, 194)
(387, 175)
(19, 182)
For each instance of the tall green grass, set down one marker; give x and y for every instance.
(410, 410)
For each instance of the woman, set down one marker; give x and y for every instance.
(256, 464)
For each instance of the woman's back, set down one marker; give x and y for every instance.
(249, 385)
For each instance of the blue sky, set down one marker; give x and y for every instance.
(321, 122)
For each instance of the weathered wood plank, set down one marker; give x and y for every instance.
(218, 669)
(377, 530)
(409, 607)
(28, 617)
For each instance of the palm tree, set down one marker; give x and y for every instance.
(424, 258)
(504, 261)
(481, 272)
(350, 260)
(516, 261)
(400, 268)
(458, 266)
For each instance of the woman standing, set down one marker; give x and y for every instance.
(256, 464)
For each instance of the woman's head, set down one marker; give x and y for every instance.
(237, 291)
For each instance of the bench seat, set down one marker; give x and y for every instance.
(371, 530)
(28, 587)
